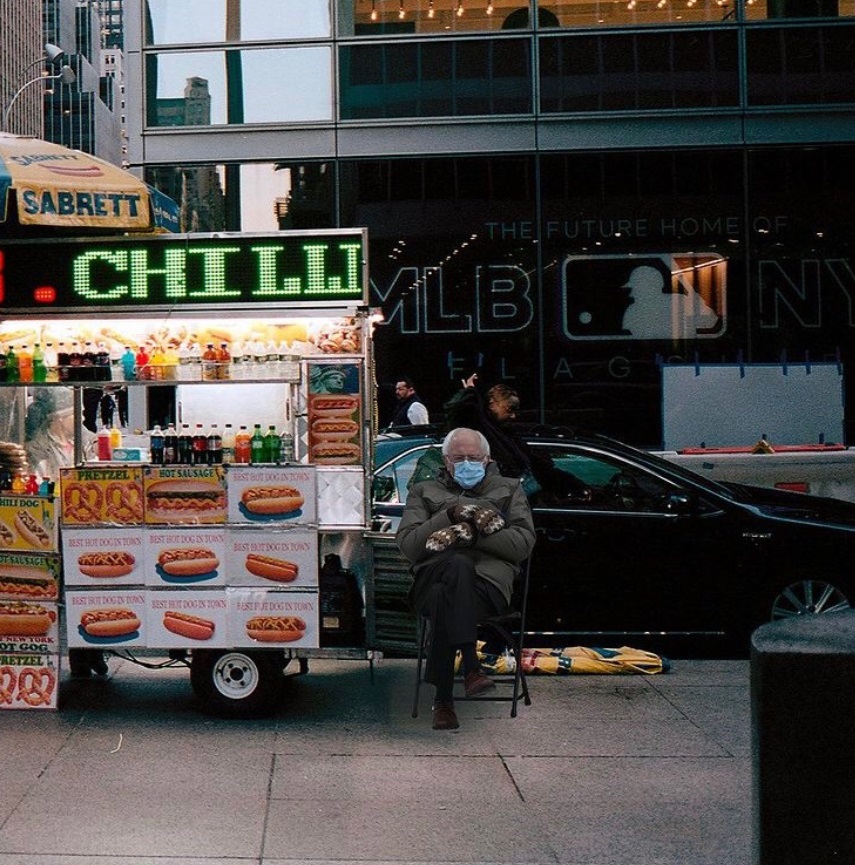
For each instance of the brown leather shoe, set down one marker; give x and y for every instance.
(475, 682)
(444, 717)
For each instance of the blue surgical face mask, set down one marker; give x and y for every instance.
(469, 473)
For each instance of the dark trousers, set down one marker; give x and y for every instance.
(448, 591)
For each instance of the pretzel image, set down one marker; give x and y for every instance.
(82, 502)
(8, 680)
(124, 501)
(35, 686)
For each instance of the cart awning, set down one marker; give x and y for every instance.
(58, 187)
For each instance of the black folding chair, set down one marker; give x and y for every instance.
(510, 629)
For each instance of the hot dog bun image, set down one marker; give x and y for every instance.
(184, 500)
(20, 581)
(271, 568)
(110, 622)
(106, 564)
(275, 629)
(335, 453)
(334, 429)
(18, 619)
(185, 625)
(272, 500)
(334, 405)
(33, 532)
(187, 561)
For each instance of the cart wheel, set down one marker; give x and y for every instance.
(233, 683)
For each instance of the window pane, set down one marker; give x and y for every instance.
(198, 21)
(216, 87)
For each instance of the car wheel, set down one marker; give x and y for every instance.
(233, 683)
(808, 597)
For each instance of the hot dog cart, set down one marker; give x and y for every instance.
(226, 530)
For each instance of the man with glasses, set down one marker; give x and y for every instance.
(465, 533)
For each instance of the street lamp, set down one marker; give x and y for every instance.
(65, 75)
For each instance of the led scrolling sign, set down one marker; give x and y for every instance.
(326, 268)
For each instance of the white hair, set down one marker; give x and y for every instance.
(446, 442)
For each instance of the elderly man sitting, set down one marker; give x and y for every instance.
(465, 533)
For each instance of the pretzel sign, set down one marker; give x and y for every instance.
(8, 680)
(35, 686)
(82, 502)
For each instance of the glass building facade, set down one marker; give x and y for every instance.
(562, 196)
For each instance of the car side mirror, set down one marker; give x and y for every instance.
(681, 502)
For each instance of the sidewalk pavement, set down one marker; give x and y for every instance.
(599, 770)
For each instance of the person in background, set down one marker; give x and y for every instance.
(410, 410)
(50, 447)
(465, 532)
(493, 414)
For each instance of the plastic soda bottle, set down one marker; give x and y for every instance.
(200, 446)
(243, 452)
(286, 446)
(271, 445)
(170, 445)
(209, 363)
(129, 365)
(13, 372)
(257, 451)
(25, 364)
(115, 437)
(156, 445)
(224, 361)
(228, 444)
(39, 368)
(185, 445)
(105, 452)
(215, 446)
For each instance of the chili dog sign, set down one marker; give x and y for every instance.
(27, 523)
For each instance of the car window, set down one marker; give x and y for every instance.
(609, 483)
(390, 483)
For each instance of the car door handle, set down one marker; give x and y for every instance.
(557, 536)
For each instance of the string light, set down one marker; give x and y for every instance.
(373, 10)
(459, 8)
(431, 11)
(401, 12)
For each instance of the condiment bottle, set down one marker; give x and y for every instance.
(105, 452)
(32, 486)
(142, 363)
(19, 485)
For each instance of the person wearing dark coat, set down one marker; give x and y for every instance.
(465, 533)
(409, 410)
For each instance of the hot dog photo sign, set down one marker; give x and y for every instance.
(27, 523)
(188, 619)
(271, 559)
(258, 618)
(28, 681)
(188, 557)
(103, 557)
(273, 494)
(177, 496)
(29, 576)
(334, 414)
(106, 618)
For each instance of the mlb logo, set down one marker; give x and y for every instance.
(667, 296)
